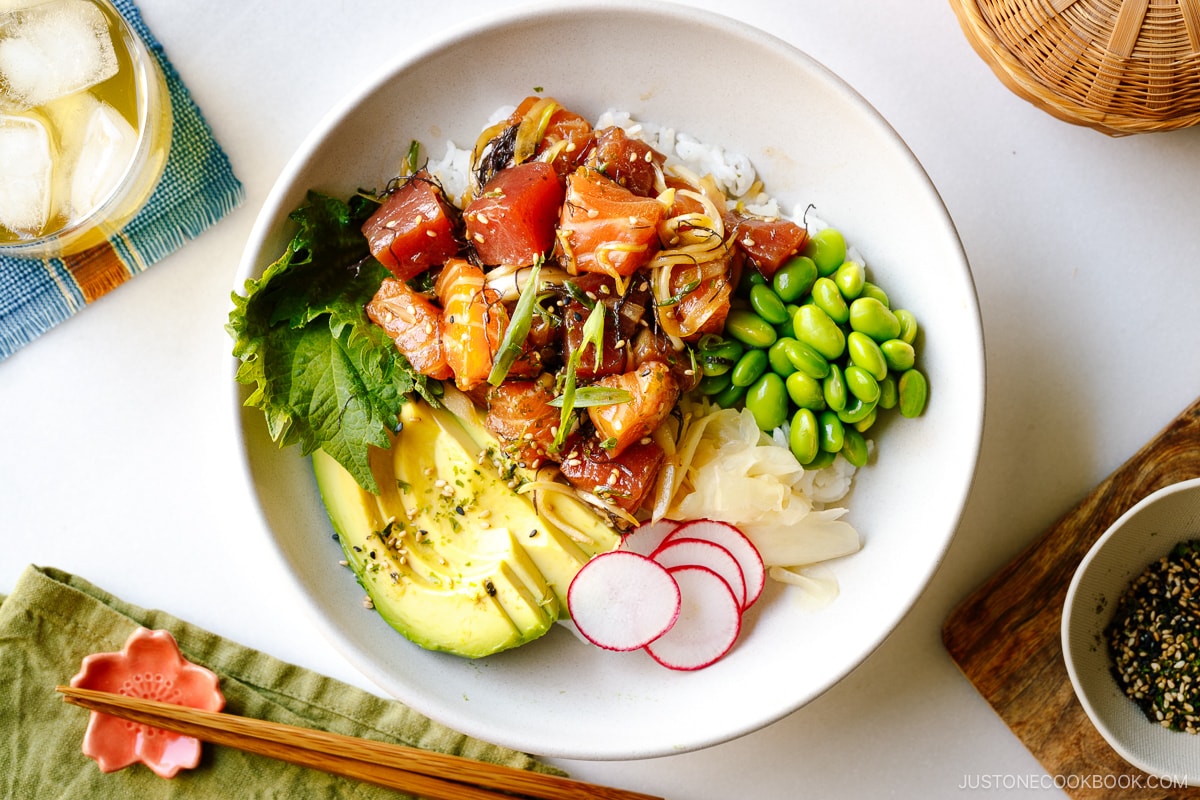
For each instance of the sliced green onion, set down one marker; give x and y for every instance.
(593, 333)
(518, 329)
(588, 396)
(579, 295)
(687, 289)
(412, 159)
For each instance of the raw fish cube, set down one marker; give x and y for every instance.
(25, 174)
(53, 50)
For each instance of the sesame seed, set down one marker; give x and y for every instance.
(431, 233)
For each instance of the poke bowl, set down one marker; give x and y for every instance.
(817, 147)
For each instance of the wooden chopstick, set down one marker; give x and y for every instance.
(436, 776)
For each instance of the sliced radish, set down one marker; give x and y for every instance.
(679, 552)
(622, 600)
(646, 538)
(710, 619)
(736, 543)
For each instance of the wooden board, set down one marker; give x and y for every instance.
(1005, 635)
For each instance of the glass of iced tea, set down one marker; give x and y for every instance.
(85, 125)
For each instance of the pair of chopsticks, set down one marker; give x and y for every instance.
(432, 775)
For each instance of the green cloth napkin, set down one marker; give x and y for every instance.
(53, 619)
(197, 189)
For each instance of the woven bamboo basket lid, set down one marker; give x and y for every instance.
(1119, 66)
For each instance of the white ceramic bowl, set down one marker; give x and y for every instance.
(1141, 536)
(814, 140)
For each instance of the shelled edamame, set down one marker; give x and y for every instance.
(817, 347)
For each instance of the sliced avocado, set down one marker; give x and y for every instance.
(451, 556)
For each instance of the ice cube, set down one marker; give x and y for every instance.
(25, 174)
(105, 150)
(52, 50)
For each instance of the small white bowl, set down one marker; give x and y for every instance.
(1141, 536)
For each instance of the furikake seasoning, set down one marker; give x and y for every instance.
(1154, 639)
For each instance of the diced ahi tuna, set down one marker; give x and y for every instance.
(767, 242)
(629, 162)
(512, 221)
(624, 480)
(414, 229)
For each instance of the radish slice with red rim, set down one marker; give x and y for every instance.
(733, 540)
(647, 537)
(710, 619)
(679, 552)
(622, 600)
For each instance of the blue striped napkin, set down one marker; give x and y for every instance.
(197, 189)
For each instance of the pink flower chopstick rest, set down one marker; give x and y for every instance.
(150, 666)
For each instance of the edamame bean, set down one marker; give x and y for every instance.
(715, 384)
(856, 411)
(899, 354)
(768, 401)
(831, 430)
(888, 393)
(749, 367)
(913, 392)
(874, 319)
(804, 438)
(717, 356)
(871, 290)
(863, 425)
(816, 328)
(823, 459)
(750, 329)
(828, 297)
(850, 278)
(751, 277)
(854, 448)
(794, 278)
(827, 249)
(777, 357)
(833, 388)
(730, 397)
(865, 352)
(767, 304)
(861, 384)
(805, 358)
(805, 391)
(908, 325)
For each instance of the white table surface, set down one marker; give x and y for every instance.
(117, 457)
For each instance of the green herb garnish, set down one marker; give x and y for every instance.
(323, 374)
(518, 329)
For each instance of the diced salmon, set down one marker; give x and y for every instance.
(521, 417)
(512, 221)
(653, 392)
(624, 480)
(606, 228)
(415, 325)
(414, 228)
(703, 309)
(473, 322)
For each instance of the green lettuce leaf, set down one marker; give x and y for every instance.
(325, 376)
